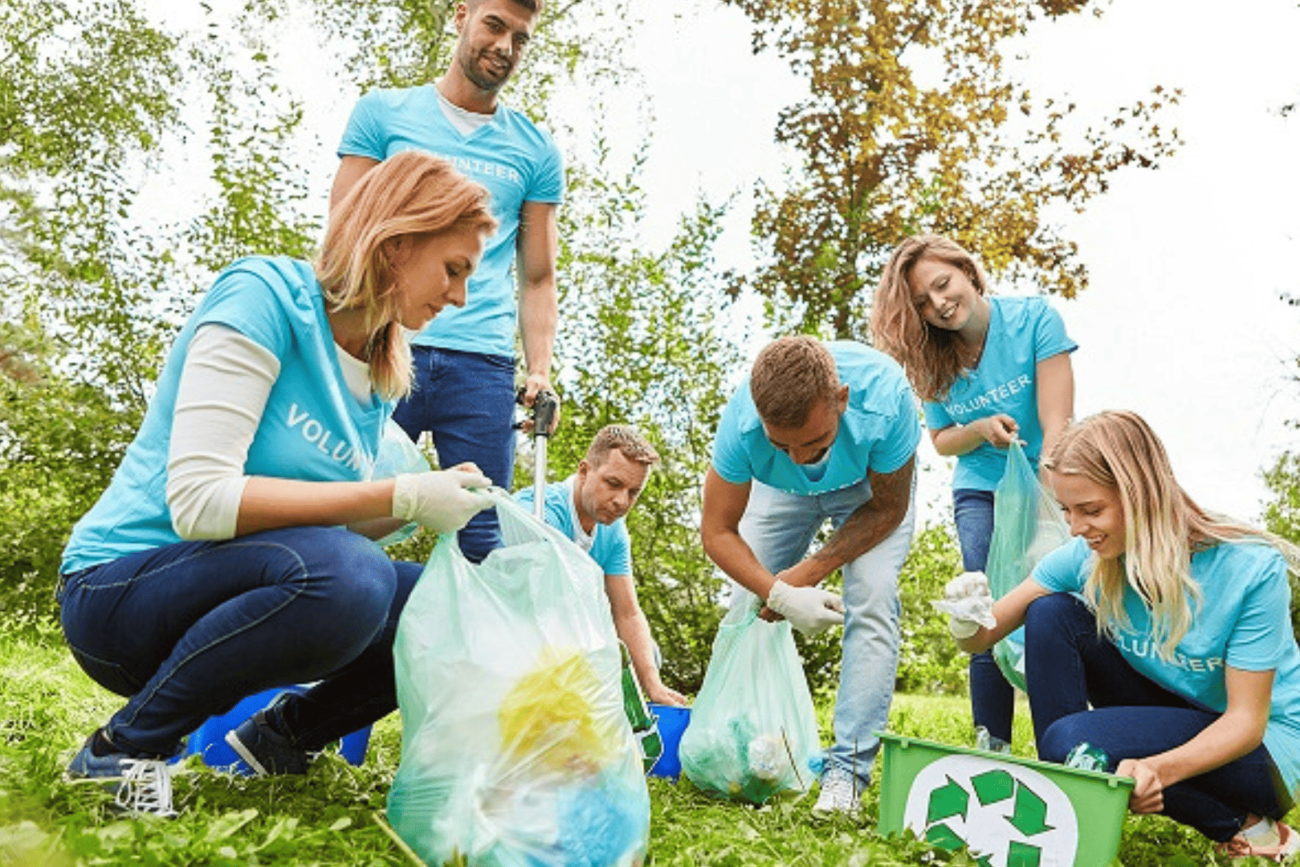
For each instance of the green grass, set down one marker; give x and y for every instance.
(331, 817)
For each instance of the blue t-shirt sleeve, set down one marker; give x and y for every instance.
(936, 417)
(617, 559)
(730, 457)
(1050, 338)
(548, 180)
(1064, 570)
(894, 449)
(364, 135)
(555, 513)
(1262, 633)
(245, 302)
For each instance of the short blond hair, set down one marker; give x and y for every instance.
(411, 194)
(626, 439)
(790, 376)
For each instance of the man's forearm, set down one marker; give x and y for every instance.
(866, 528)
(634, 632)
(538, 312)
(736, 559)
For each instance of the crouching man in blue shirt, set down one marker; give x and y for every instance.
(589, 507)
(821, 431)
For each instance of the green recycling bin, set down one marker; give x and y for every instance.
(1009, 811)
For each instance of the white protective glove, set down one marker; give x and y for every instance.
(441, 500)
(809, 609)
(968, 603)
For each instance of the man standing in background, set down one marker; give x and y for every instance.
(465, 359)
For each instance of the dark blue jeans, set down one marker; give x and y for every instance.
(188, 630)
(992, 699)
(466, 401)
(1069, 667)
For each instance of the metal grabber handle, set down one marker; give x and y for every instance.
(544, 408)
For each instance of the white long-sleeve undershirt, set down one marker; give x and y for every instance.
(222, 394)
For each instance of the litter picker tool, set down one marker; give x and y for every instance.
(544, 408)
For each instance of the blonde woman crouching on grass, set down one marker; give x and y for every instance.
(1183, 650)
(232, 552)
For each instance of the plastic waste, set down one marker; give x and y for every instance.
(753, 732)
(1027, 525)
(1087, 757)
(515, 748)
(398, 454)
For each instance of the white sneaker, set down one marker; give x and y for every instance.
(840, 793)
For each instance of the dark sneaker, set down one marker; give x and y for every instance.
(140, 786)
(265, 750)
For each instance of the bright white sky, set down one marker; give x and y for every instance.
(1182, 322)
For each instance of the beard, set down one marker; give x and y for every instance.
(474, 66)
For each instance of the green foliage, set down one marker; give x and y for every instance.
(85, 94)
(912, 123)
(94, 289)
(261, 185)
(1282, 514)
(930, 661)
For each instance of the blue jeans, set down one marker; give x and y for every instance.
(779, 527)
(466, 401)
(1068, 666)
(186, 631)
(992, 699)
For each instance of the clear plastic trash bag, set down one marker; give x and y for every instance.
(753, 731)
(515, 746)
(1027, 524)
(397, 455)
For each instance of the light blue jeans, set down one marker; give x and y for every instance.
(779, 528)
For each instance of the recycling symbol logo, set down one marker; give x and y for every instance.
(1007, 815)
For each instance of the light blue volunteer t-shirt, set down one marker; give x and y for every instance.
(515, 160)
(1022, 332)
(878, 431)
(611, 547)
(312, 429)
(1244, 621)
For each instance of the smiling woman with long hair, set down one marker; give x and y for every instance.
(1181, 643)
(989, 370)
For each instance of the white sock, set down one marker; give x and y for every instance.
(1262, 833)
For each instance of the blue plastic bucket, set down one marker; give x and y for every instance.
(672, 722)
(209, 739)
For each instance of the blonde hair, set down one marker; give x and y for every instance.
(626, 439)
(789, 377)
(928, 354)
(1162, 525)
(410, 195)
